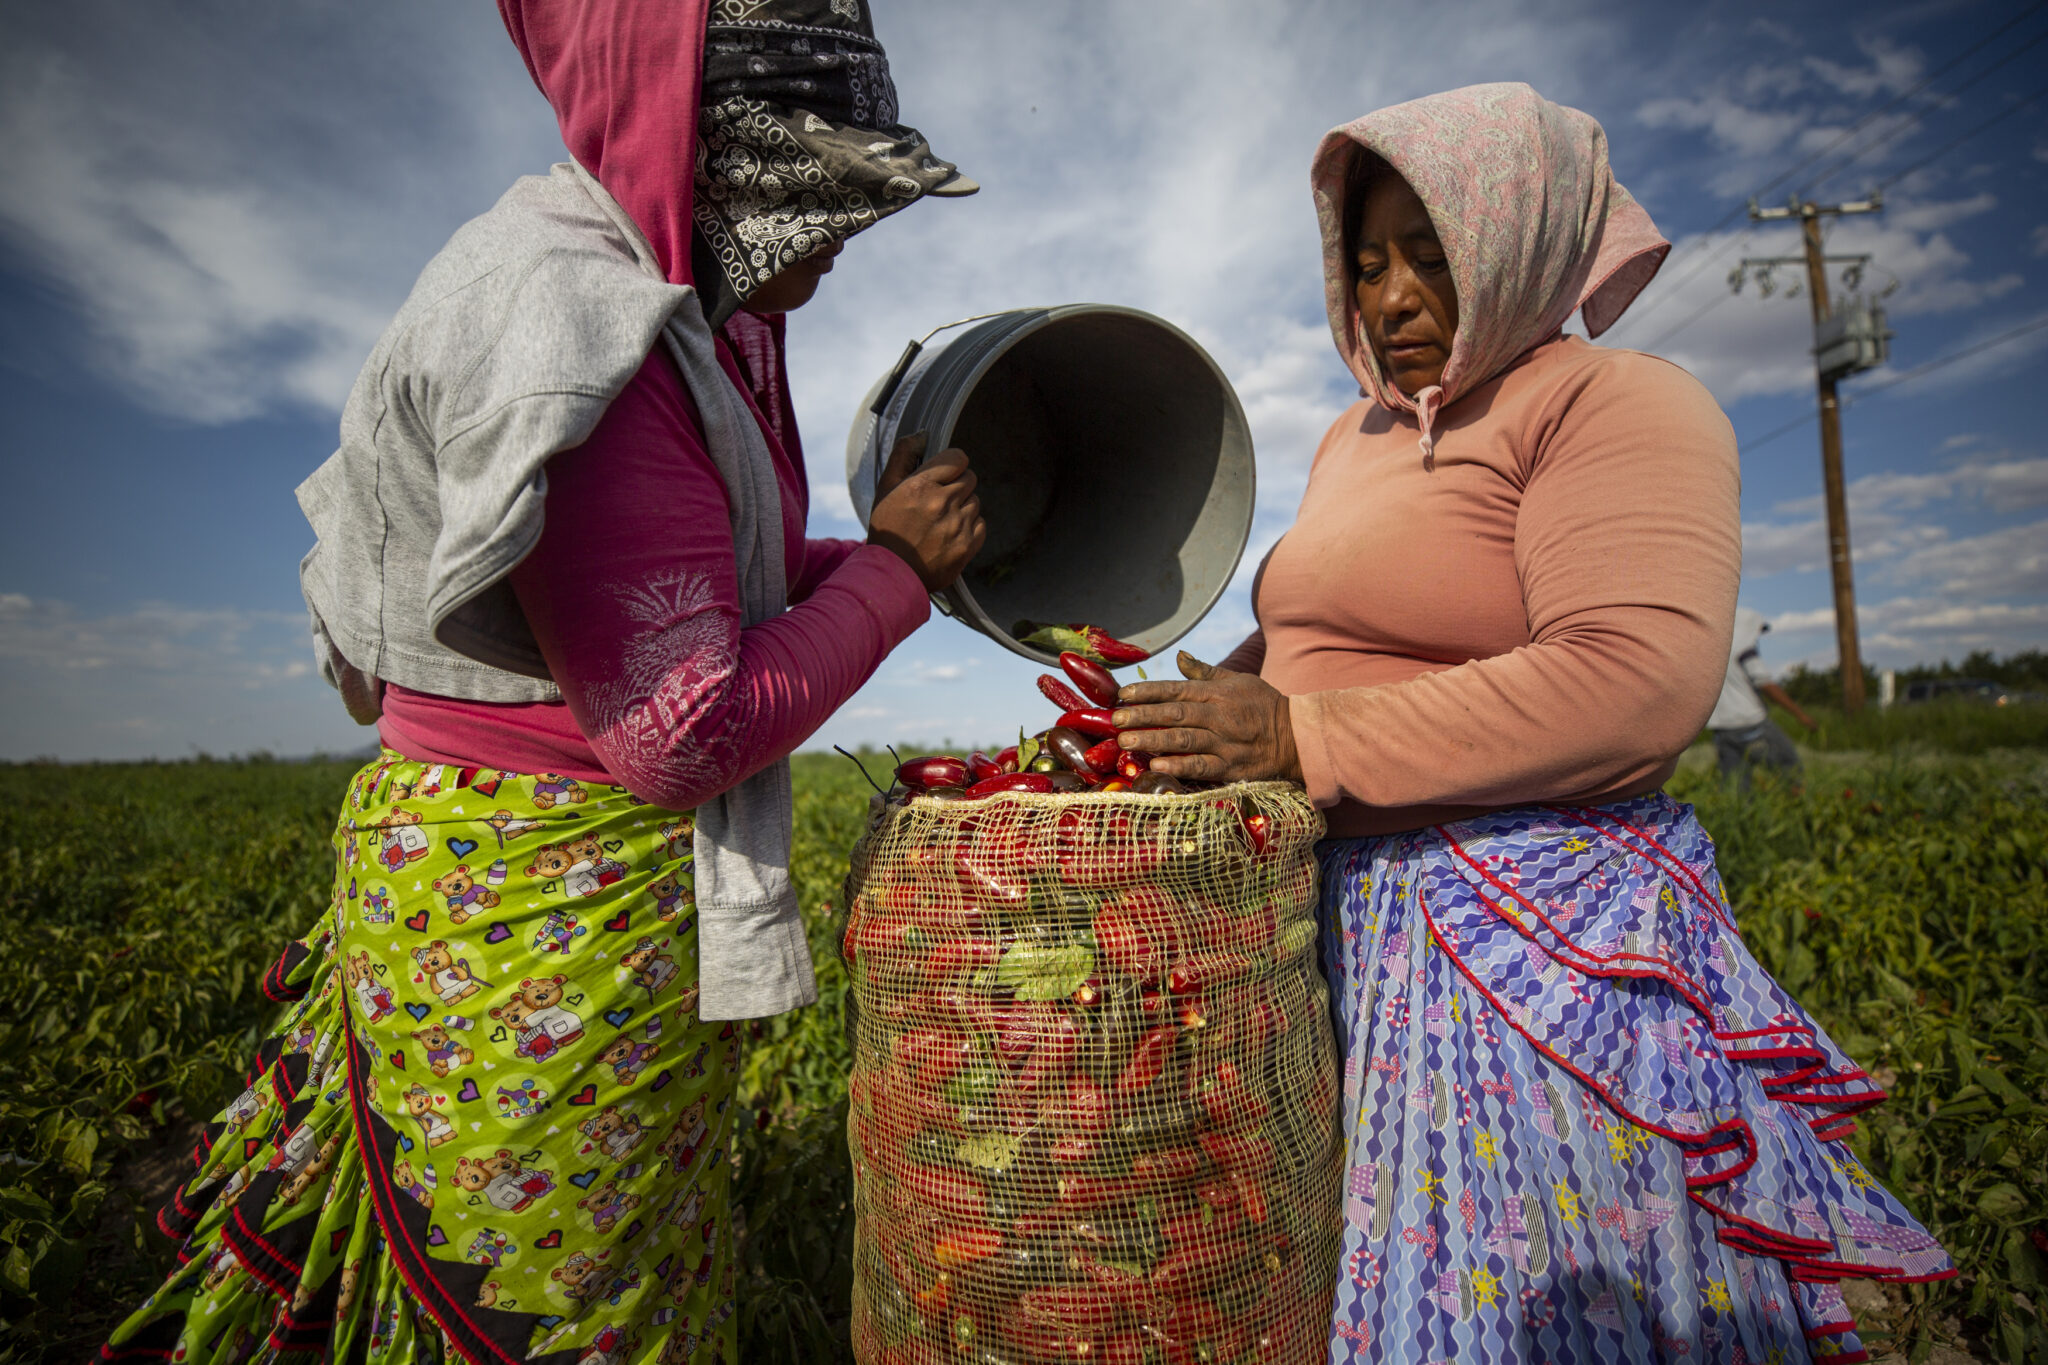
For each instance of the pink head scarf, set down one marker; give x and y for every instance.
(1534, 226)
(624, 80)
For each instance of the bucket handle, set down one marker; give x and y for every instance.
(895, 380)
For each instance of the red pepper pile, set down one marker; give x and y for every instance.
(1093, 1102)
(1078, 754)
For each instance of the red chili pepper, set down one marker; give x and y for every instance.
(1192, 973)
(1198, 1228)
(1114, 784)
(990, 870)
(1132, 765)
(932, 1056)
(1110, 648)
(1125, 1348)
(1073, 1149)
(1230, 1103)
(1061, 695)
(926, 773)
(1127, 1287)
(980, 767)
(1102, 757)
(1168, 1166)
(1093, 680)
(1090, 1191)
(1010, 782)
(1053, 1058)
(1196, 1268)
(1086, 1109)
(958, 957)
(1126, 938)
(1260, 828)
(952, 1195)
(1251, 1197)
(1006, 760)
(1241, 1157)
(1147, 1060)
(965, 1243)
(1091, 720)
(1081, 1308)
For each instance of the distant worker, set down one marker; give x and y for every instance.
(1744, 733)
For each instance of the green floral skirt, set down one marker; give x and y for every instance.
(490, 1127)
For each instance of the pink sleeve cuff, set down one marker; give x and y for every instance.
(889, 588)
(1318, 771)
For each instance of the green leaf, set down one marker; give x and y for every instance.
(972, 1086)
(1045, 973)
(1060, 640)
(990, 1151)
(2002, 1201)
(1027, 749)
(77, 1156)
(17, 1269)
(19, 1202)
(1297, 936)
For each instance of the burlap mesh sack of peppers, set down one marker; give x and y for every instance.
(1093, 1101)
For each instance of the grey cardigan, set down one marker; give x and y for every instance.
(515, 339)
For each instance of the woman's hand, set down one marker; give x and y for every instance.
(1216, 727)
(928, 517)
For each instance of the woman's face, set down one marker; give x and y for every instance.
(1405, 297)
(793, 287)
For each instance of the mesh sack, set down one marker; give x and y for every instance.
(1093, 1102)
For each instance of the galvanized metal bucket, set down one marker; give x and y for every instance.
(1114, 461)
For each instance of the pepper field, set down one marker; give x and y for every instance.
(1902, 894)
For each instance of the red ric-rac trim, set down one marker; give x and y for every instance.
(1671, 863)
(1801, 1254)
(468, 1338)
(1595, 964)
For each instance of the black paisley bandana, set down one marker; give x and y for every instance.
(797, 142)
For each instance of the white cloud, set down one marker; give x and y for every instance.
(222, 267)
(159, 679)
(1746, 344)
(1891, 70)
(2007, 562)
(1734, 125)
(1909, 630)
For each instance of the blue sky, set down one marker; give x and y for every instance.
(209, 210)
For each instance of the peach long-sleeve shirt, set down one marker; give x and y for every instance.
(1540, 613)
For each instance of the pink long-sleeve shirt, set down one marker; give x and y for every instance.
(1540, 613)
(632, 594)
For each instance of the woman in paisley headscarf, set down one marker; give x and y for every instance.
(561, 564)
(1584, 1124)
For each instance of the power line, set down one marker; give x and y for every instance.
(1715, 253)
(1916, 372)
(1920, 115)
(1948, 147)
(1882, 185)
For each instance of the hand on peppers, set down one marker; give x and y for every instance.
(1218, 726)
(928, 515)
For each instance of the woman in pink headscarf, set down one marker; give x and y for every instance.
(1584, 1124)
(562, 565)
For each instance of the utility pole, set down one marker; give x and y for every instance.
(1809, 215)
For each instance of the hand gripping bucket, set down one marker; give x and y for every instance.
(1114, 461)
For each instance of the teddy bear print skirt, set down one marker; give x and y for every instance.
(490, 1126)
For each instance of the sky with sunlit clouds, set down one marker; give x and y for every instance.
(208, 212)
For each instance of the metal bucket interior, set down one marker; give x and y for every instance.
(1114, 461)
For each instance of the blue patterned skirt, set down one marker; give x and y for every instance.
(1584, 1125)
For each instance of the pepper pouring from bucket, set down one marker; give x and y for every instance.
(1053, 406)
